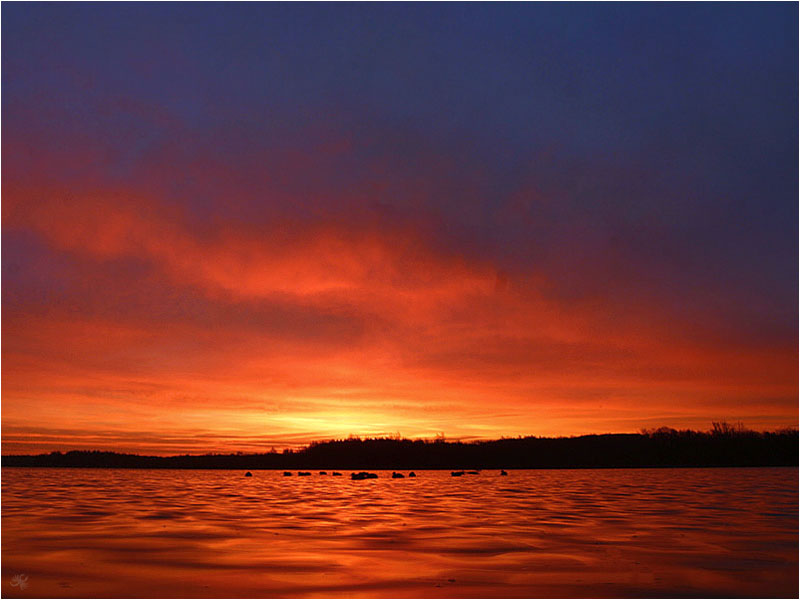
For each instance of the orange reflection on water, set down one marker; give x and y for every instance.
(580, 533)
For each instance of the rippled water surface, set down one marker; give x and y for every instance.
(580, 533)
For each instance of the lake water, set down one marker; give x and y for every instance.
(576, 533)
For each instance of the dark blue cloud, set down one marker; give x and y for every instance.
(625, 149)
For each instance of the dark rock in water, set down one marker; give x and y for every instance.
(337, 474)
(412, 474)
(287, 473)
(503, 473)
(456, 473)
(397, 475)
(323, 472)
(363, 475)
(248, 474)
(473, 472)
(303, 473)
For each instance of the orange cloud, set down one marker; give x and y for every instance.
(249, 335)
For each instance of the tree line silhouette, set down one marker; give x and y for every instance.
(724, 446)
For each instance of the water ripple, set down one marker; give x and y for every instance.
(581, 533)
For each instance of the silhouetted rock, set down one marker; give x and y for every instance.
(323, 472)
(303, 473)
(473, 472)
(248, 474)
(287, 473)
(412, 474)
(337, 474)
(363, 475)
(503, 473)
(456, 473)
(397, 475)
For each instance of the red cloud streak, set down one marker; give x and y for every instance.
(164, 336)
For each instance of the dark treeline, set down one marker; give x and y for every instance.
(723, 446)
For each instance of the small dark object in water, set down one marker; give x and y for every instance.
(503, 473)
(397, 475)
(323, 472)
(303, 473)
(412, 474)
(248, 474)
(337, 474)
(363, 475)
(456, 473)
(287, 473)
(473, 472)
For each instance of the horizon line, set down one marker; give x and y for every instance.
(718, 428)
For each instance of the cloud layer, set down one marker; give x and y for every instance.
(182, 276)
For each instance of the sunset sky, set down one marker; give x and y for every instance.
(244, 226)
